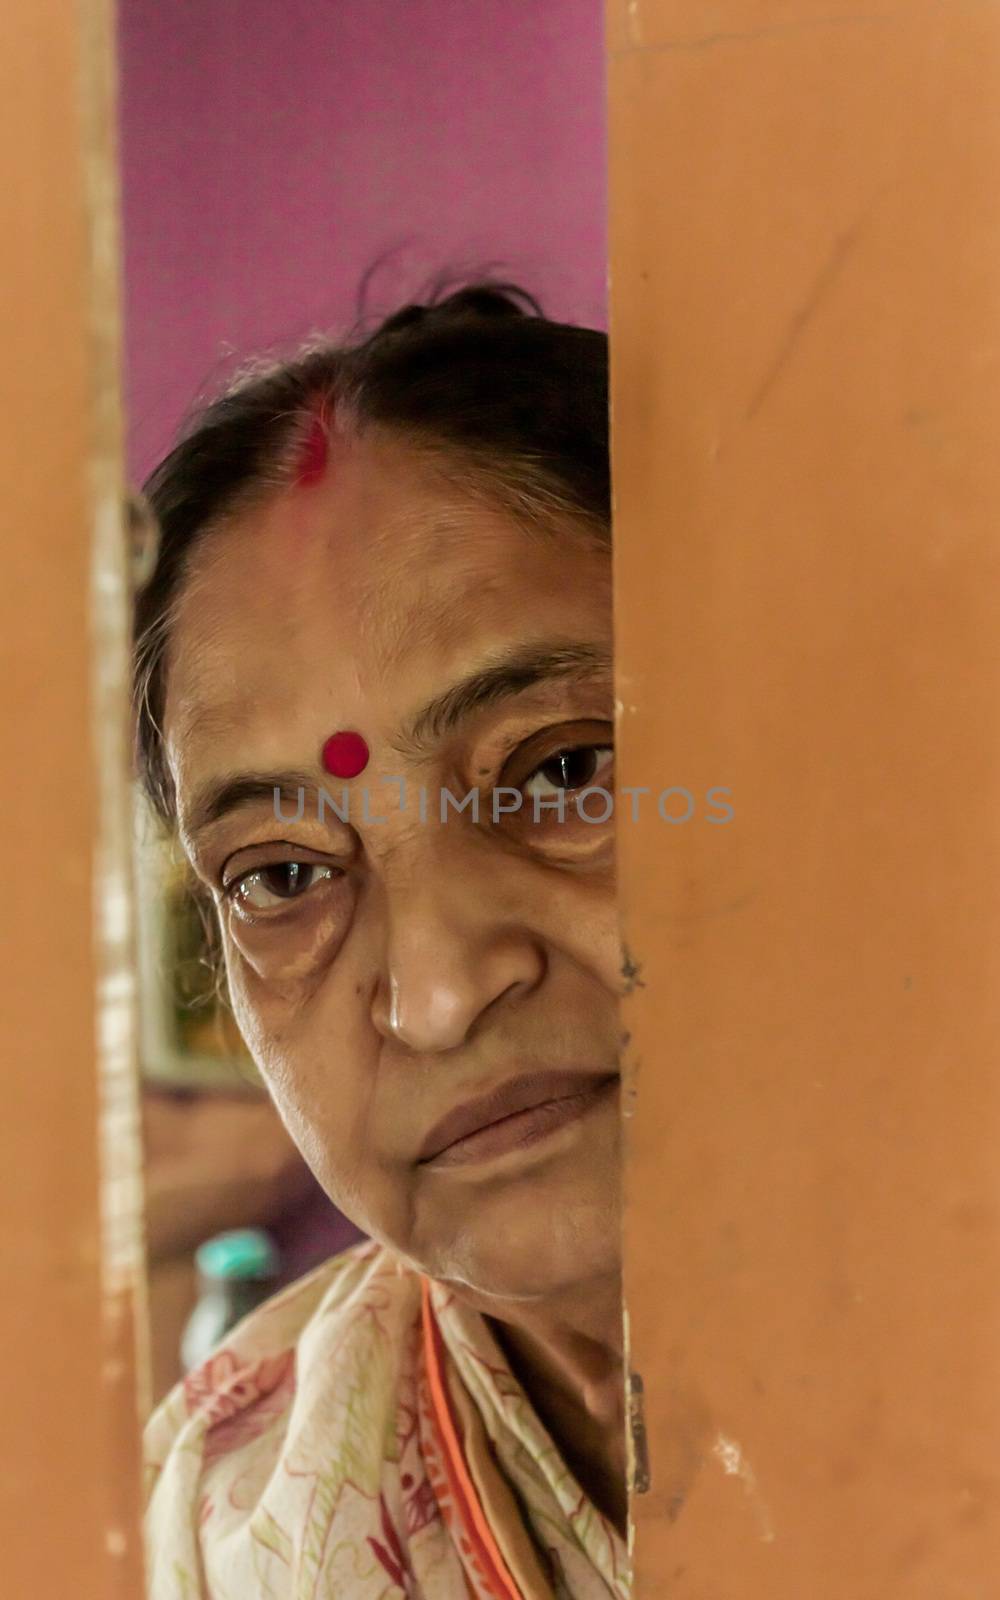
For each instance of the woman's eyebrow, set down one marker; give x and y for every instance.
(217, 798)
(517, 669)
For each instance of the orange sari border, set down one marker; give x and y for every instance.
(466, 1499)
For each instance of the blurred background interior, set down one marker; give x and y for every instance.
(286, 169)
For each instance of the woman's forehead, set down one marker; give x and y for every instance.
(355, 599)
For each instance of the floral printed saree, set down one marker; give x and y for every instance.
(362, 1436)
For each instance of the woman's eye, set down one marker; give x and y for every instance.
(576, 768)
(274, 884)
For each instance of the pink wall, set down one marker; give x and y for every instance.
(272, 150)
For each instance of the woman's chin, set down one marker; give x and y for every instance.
(536, 1251)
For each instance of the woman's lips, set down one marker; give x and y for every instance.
(519, 1114)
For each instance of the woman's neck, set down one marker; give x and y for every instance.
(568, 1357)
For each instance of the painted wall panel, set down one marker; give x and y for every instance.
(69, 1199)
(805, 309)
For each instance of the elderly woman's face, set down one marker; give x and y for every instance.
(388, 969)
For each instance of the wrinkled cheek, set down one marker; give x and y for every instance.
(282, 958)
(273, 971)
(258, 1012)
(290, 1029)
(266, 983)
(266, 1014)
(306, 1024)
(323, 1092)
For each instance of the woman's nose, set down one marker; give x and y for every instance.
(451, 954)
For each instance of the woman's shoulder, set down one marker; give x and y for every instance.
(303, 1392)
(247, 1383)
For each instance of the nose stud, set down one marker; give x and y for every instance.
(345, 754)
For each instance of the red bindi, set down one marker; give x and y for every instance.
(312, 459)
(345, 754)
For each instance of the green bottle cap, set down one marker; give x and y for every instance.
(243, 1253)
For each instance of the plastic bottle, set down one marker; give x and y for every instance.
(236, 1272)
